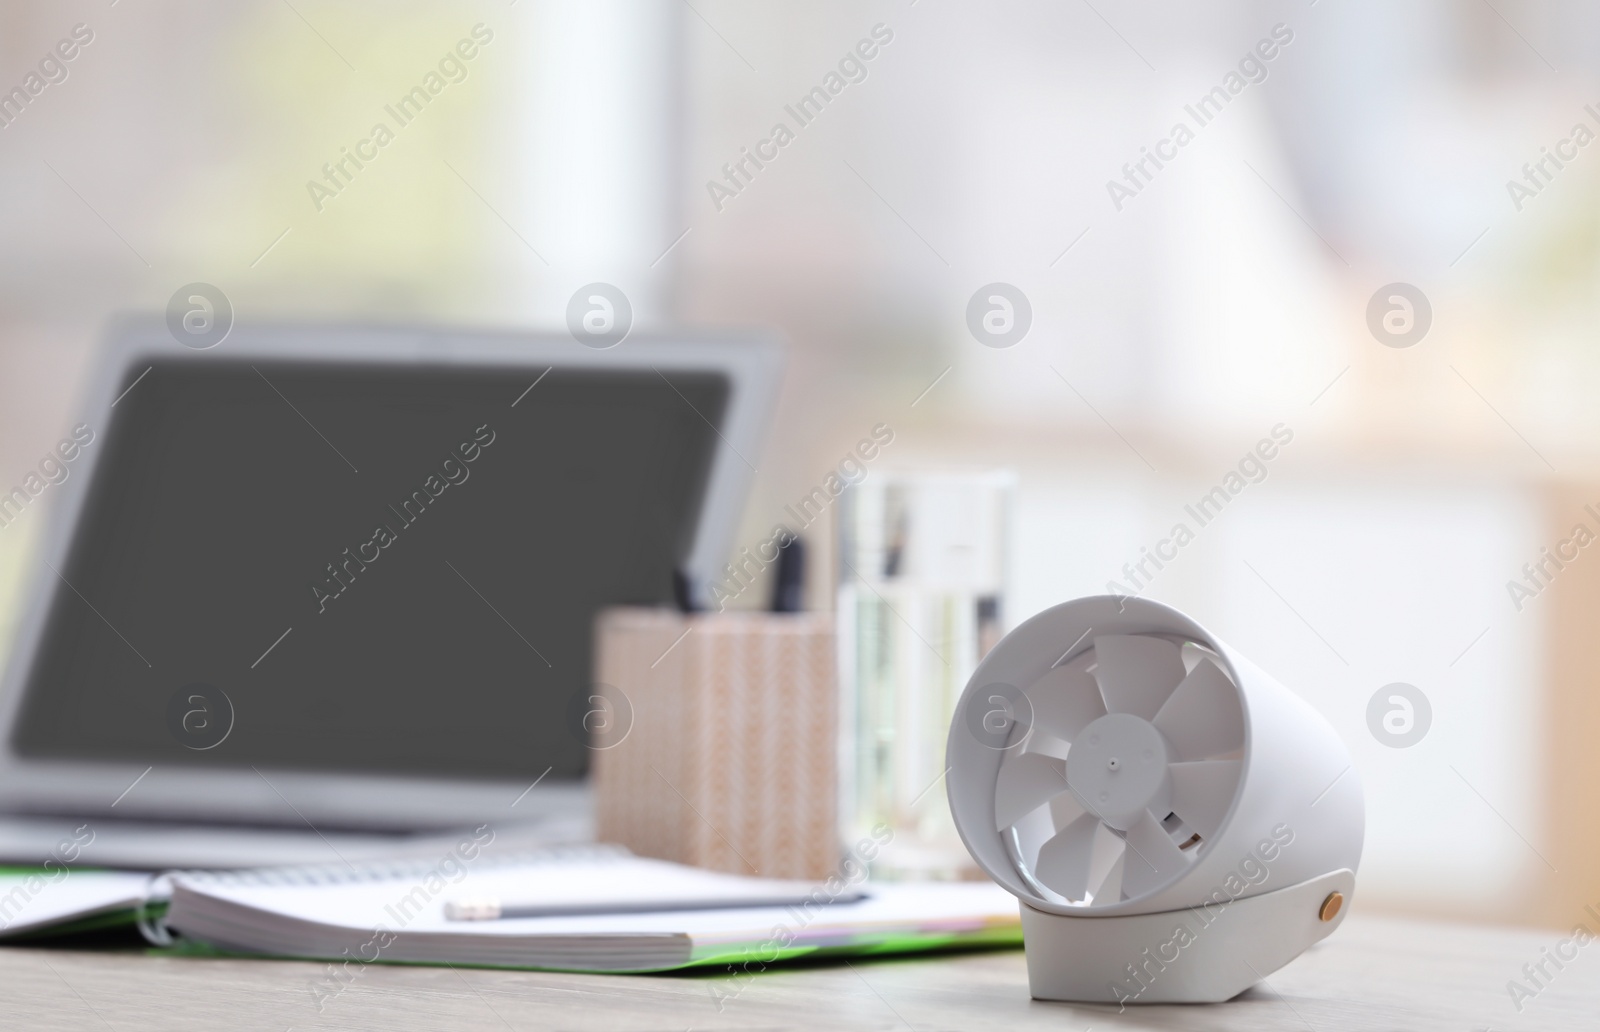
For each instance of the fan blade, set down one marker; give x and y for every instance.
(1203, 718)
(1152, 857)
(1064, 860)
(1064, 701)
(1136, 672)
(1046, 744)
(1109, 889)
(1203, 791)
(1031, 832)
(1024, 784)
(1064, 809)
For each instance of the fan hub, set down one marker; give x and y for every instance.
(1117, 769)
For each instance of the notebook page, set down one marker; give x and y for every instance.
(33, 901)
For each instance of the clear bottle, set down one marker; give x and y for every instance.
(921, 599)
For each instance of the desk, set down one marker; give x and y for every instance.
(1378, 975)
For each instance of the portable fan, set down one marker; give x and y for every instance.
(1176, 824)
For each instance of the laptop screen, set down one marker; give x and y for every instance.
(386, 570)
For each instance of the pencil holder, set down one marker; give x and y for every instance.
(721, 745)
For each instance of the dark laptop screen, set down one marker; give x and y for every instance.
(384, 570)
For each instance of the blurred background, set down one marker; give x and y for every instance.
(1173, 326)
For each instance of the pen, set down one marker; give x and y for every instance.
(789, 581)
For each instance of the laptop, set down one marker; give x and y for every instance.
(322, 591)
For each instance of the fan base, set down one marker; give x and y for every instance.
(1198, 955)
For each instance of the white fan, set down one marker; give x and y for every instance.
(1176, 824)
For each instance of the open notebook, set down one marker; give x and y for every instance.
(600, 909)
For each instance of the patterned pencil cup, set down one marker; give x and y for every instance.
(730, 762)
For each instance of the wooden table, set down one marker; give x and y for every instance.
(1374, 974)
